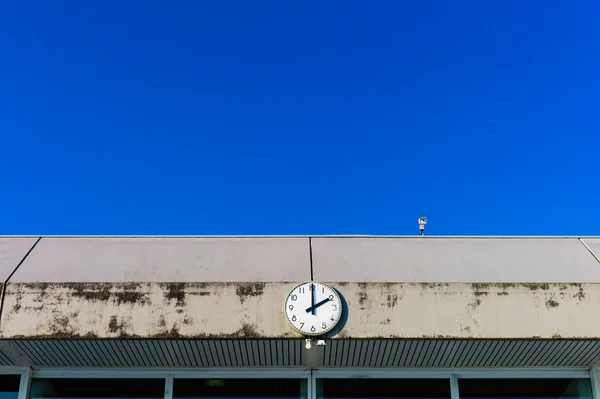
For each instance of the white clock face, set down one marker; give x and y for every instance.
(313, 308)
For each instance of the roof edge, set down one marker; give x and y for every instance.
(305, 236)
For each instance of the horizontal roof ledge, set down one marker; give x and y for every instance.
(374, 353)
(294, 259)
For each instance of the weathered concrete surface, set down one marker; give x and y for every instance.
(159, 310)
(477, 310)
(254, 310)
(473, 260)
(155, 259)
(12, 250)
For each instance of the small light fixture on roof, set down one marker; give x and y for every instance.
(422, 223)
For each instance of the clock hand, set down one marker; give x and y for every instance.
(314, 307)
(313, 298)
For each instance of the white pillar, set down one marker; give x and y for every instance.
(595, 378)
(169, 387)
(454, 394)
(25, 384)
(312, 385)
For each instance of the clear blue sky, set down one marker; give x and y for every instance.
(282, 117)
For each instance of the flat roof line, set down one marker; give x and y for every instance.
(299, 236)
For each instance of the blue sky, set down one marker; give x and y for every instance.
(237, 117)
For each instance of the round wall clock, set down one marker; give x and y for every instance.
(313, 308)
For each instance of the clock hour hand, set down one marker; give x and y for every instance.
(314, 307)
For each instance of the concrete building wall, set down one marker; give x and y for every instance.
(235, 287)
(255, 310)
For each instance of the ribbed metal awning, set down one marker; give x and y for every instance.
(460, 353)
(292, 353)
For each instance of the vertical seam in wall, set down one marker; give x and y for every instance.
(589, 250)
(310, 254)
(13, 272)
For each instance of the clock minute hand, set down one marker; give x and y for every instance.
(313, 307)
(313, 297)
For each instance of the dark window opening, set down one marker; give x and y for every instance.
(525, 388)
(384, 388)
(239, 387)
(97, 388)
(9, 383)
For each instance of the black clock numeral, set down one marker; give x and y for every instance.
(334, 306)
(301, 290)
(323, 326)
(294, 318)
(294, 297)
(332, 319)
(313, 329)
(301, 324)
(291, 307)
(331, 297)
(323, 290)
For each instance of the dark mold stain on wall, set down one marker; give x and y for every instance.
(392, 300)
(131, 297)
(551, 303)
(35, 287)
(362, 295)
(362, 298)
(580, 295)
(475, 303)
(173, 333)
(436, 285)
(91, 292)
(534, 287)
(175, 291)
(18, 298)
(113, 326)
(131, 293)
(245, 290)
(60, 324)
(506, 286)
(247, 331)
